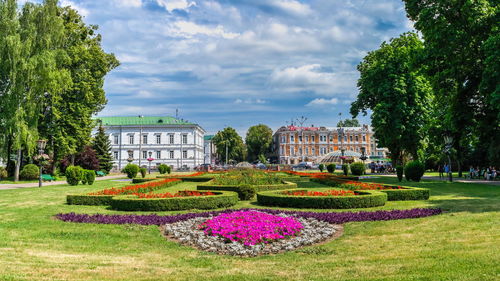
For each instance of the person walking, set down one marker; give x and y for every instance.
(440, 170)
(446, 169)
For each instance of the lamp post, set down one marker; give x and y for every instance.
(130, 156)
(41, 146)
(150, 159)
(448, 140)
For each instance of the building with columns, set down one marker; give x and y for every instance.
(175, 142)
(298, 144)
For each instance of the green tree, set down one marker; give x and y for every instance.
(258, 140)
(393, 87)
(349, 123)
(102, 147)
(235, 146)
(461, 43)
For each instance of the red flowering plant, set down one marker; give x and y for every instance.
(320, 193)
(131, 189)
(302, 174)
(182, 193)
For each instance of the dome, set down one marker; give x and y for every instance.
(334, 157)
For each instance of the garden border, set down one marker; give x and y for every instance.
(258, 188)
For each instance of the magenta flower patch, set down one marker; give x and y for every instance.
(251, 227)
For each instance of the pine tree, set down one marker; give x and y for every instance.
(102, 147)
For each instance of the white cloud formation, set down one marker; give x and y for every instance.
(82, 11)
(128, 3)
(292, 6)
(323, 102)
(171, 5)
(189, 29)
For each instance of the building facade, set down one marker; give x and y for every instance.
(210, 150)
(298, 144)
(166, 140)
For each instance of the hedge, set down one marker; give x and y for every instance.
(191, 179)
(366, 199)
(236, 188)
(222, 199)
(141, 180)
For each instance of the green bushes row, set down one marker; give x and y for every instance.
(30, 172)
(243, 191)
(222, 199)
(358, 168)
(365, 199)
(142, 180)
(414, 170)
(143, 172)
(190, 179)
(131, 170)
(164, 169)
(76, 174)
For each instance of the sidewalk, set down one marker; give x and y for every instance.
(462, 180)
(35, 184)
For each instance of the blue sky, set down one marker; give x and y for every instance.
(241, 62)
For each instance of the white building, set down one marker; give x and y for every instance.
(165, 139)
(210, 150)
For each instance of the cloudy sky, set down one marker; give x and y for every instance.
(239, 62)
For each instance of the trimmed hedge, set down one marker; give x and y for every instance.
(222, 199)
(241, 193)
(141, 180)
(191, 179)
(366, 199)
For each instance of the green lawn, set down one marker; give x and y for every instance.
(461, 244)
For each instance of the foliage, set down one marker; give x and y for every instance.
(136, 180)
(102, 147)
(89, 176)
(74, 174)
(3, 173)
(243, 191)
(235, 146)
(247, 176)
(392, 85)
(363, 199)
(399, 172)
(164, 169)
(330, 168)
(431, 162)
(321, 167)
(414, 170)
(246, 192)
(345, 169)
(349, 123)
(30, 172)
(358, 168)
(394, 192)
(258, 141)
(131, 170)
(143, 172)
(87, 159)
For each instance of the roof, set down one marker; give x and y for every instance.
(145, 120)
(336, 155)
(208, 137)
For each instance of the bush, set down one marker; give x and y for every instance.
(222, 199)
(399, 172)
(365, 199)
(74, 174)
(163, 169)
(414, 170)
(246, 192)
(3, 173)
(90, 177)
(321, 167)
(131, 170)
(141, 180)
(345, 169)
(358, 168)
(30, 172)
(242, 192)
(330, 168)
(143, 172)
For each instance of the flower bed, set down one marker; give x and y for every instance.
(330, 217)
(196, 177)
(319, 193)
(237, 188)
(182, 193)
(103, 197)
(217, 199)
(361, 199)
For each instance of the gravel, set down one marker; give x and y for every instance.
(187, 233)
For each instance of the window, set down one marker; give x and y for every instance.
(115, 139)
(300, 151)
(115, 155)
(312, 138)
(291, 151)
(331, 149)
(313, 151)
(300, 138)
(291, 139)
(184, 154)
(307, 138)
(144, 154)
(131, 139)
(339, 138)
(345, 138)
(283, 139)
(171, 139)
(307, 150)
(158, 139)
(158, 154)
(364, 138)
(350, 138)
(281, 150)
(171, 154)
(144, 138)
(356, 138)
(184, 139)
(331, 138)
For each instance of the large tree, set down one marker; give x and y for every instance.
(235, 146)
(349, 123)
(258, 140)
(102, 147)
(461, 43)
(392, 86)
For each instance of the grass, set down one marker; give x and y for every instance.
(461, 244)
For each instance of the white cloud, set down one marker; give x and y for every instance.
(82, 11)
(250, 101)
(129, 3)
(171, 5)
(292, 6)
(323, 102)
(189, 29)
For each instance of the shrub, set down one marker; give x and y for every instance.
(345, 169)
(321, 167)
(164, 169)
(414, 170)
(143, 172)
(30, 172)
(141, 180)
(246, 192)
(399, 172)
(90, 176)
(131, 170)
(3, 173)
(74, 174)
(248, 176)
(358, 168)
(364, 199)
(330, 168)
(221, 199)
(87, 158)
(237, 188)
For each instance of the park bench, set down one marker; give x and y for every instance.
(100, 174)
(47, 177)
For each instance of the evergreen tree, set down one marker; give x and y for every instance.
(102, 147)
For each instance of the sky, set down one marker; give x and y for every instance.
(239, 63)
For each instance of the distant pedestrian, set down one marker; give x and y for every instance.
(440, 170)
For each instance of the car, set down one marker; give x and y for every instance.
(260, 166)
(302, 166)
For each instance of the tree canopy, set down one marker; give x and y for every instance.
(259, 139)
(235, 146)
(349, 123)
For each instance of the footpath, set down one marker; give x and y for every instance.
(35, 184)
(462, 180)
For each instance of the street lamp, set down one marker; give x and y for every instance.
(41, 146)
(150, 159)
(448, 141)
(130, 155)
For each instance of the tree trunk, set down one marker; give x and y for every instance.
(18, 165)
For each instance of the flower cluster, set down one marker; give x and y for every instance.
(251, 227)
(183, 193)
(356, 185)
(193, 175)
(320, 193)
(131, 189)
(306, 174)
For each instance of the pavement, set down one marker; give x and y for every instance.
(462, 180)
(35, 184)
